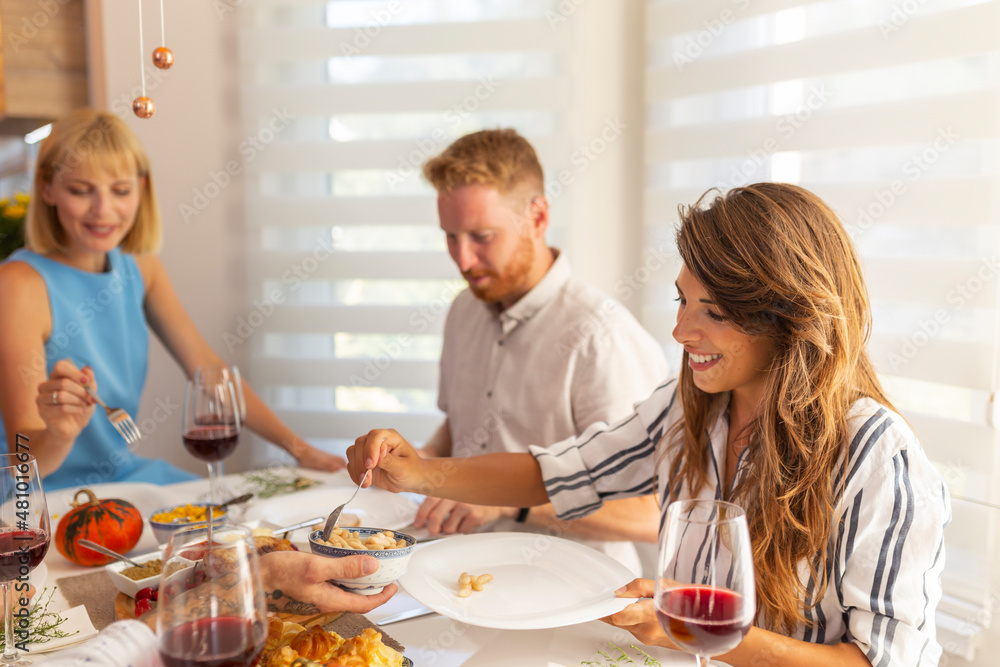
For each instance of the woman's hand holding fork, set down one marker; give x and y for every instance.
(63, 402)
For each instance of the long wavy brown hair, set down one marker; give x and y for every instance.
(779, 264)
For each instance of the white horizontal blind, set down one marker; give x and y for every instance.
(890, 111)
(359, 94)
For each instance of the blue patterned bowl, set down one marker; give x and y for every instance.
(391, 562)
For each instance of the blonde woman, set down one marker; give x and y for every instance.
(78, 302)
(778, 409)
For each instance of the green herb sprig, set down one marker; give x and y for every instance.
(269, 483)
(622, 658)
(43, 625)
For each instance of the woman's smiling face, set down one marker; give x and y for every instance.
(96, 209)
(722, 357)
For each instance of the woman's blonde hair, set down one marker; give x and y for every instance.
(778, 264)
(501, 159)
(93, 141)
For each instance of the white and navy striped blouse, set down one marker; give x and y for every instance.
(886, 554)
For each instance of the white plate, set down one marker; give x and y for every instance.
(538, 581)
(375, 508)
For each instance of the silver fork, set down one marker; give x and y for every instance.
(331, 521)
(120, 419)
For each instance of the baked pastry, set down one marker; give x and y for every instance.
(317, 647)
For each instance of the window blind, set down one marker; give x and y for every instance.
(888, 111)
(344, 229)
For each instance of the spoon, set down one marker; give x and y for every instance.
(331, 521)
(107, 552)
(235, 501)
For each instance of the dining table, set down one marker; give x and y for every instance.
(429, 639)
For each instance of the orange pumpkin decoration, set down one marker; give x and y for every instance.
(112, 523)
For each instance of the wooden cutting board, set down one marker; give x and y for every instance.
(125, 609)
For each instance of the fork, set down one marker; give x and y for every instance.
(120, 419)
(331, 521)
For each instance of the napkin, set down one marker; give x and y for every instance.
(76, 624)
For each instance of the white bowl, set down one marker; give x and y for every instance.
(391, 562)
(131, 586)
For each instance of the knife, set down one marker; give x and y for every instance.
(419, 612)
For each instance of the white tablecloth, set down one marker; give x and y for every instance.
(432, 641)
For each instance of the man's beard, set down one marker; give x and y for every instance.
(501, 287)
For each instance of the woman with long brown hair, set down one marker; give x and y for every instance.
(778, 409)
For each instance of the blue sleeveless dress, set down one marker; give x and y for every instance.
(98, 321)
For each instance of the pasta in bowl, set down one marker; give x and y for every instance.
(390, 547)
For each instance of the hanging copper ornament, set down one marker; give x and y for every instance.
(143, 107)
(163, 57)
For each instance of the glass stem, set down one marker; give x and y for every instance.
(702, 662)
(213, 477)
(10, 644)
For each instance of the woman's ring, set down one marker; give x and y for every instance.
(55, 398)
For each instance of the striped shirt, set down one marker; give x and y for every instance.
(886, 553)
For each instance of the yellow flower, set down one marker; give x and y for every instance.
(16, 211)
(22, 198)
(5, 202)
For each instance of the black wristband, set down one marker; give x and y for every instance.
(522, 515)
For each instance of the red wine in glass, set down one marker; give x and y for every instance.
(703, 620)
(21, 548)
(219, 641)
(211, 443)
(705, 542)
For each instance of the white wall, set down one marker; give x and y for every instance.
(194, 132)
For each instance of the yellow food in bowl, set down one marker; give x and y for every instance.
(185, 514)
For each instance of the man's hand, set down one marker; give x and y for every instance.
(297, 582)
(439, 516)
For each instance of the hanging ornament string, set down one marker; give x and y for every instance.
(142, 52)
(142, 106)
(162, 56)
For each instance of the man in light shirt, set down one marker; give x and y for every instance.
(532, 354)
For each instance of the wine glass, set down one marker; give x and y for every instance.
(211, 426)
(212, 609)
(24, 539)
(217, 373)
(705, 597)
